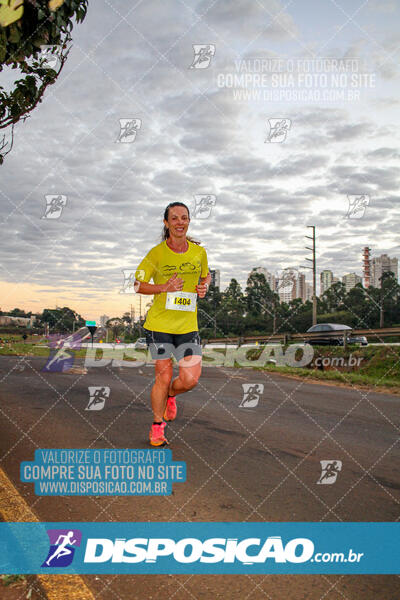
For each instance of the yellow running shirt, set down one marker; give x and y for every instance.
(160, 264)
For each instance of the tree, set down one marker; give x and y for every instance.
(262, 305)
(18, 312)
(126, 319)
(116, 325)
(208, 309)
(233, 300)
(356, 303)
(390, 298)
(233, 308)
(334, 296)
(259, 296)
(25, 27)
(61, 320)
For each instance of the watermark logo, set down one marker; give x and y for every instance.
(130, 285)
(50, 56)
(61, 358)
(357, 205)
(251, 394)
(297, 80)
(286, 284)
(203, 54)
(97, 397)
(62, 547)
(193, 550)
(338, 361)
(21, 365)
(294, 355)
(329, 471)
(54, 206)
(128, 130)
(204, 204)
(277, 130)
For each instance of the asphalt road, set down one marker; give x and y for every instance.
(243, 464)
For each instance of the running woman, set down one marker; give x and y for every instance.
(179, 269)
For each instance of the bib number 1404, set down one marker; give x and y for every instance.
(181, 301)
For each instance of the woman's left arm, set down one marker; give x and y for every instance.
(203, 286)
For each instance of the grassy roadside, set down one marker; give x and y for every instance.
(371, 366)
(377, 367)
(350, 379)
(21, 349)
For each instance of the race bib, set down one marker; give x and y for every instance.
(181, 301)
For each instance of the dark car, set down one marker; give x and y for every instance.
(335, 337)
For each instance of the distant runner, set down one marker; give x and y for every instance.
(179, 269)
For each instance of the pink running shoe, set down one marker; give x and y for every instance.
(170, 409)
(156, 435)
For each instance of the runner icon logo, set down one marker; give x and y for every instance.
(98, 397)
(329, 471)
(357, 206)
(61, 358)
(203, 205)
(50, 56)
(62, 547)
(128, 130)
(54, 206)
(129, 286)
(286, 280)
(278, 130)
(251, 394)
(203, 54)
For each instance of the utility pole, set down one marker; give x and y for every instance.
(140, 314)
(132, 317)
(314, 269)
(215, 316)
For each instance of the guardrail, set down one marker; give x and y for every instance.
(286, 336)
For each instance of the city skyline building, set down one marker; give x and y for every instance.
(326, 280)
(270, 277)
(350, 280)
(215, 278)
(382, 264)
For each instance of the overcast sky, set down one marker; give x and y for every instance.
(202, 134)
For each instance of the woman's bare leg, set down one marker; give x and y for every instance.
(159, 392)
(189, 373)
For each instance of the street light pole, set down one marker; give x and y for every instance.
(132, 318)
(215, 317)
(274, 318)
(140, 315)
(314, 269)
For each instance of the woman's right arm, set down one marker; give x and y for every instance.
(174, 284)
(143, 287)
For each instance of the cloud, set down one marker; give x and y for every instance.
(383, 153)
(194, 138)
(248, 19)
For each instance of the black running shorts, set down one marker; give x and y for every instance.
(165, 345)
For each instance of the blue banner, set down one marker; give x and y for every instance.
(103, 472)
(207, 548)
